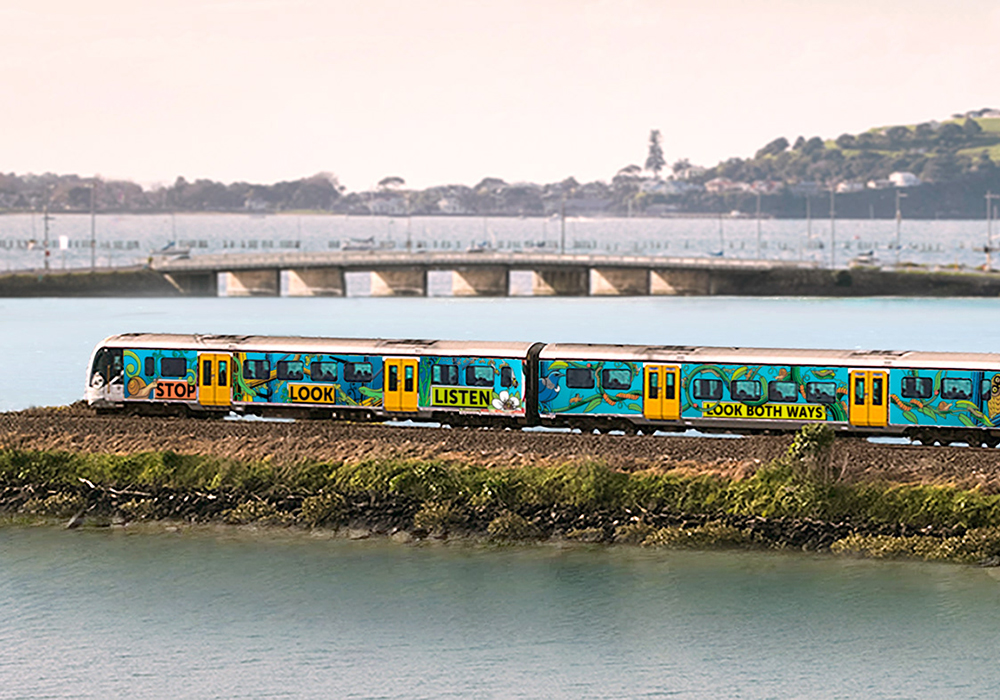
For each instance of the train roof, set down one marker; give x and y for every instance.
(772, 356)
(332, 346)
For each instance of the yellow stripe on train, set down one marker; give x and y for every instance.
(778, 411)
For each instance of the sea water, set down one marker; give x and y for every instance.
(98, 614)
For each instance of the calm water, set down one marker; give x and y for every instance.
(102, 614)
(129, 239)
(46, 343)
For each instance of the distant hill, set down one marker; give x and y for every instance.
(946, 167)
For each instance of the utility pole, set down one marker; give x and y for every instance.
(833, 230)
(93, 225)
(989, 229)
(758, 224)
(809, 225)
(562, 227)
(722, 238)
(45, 227)
(899, 222)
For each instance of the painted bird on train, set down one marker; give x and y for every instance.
(549, 386)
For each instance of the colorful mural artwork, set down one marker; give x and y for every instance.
(590, 387)
(912, 397)
(945, 397)
(471, 384)
(766, 391)
(450, 383)
(344, 380)
(169, 375)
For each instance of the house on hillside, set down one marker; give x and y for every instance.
(849, 187)
(904, 179)
(724, 184)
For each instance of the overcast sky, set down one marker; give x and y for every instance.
(449, 92)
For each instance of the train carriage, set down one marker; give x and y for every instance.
(448, 381)
(931, 397)
(927, 396)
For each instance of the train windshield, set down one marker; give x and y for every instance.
(108, 364)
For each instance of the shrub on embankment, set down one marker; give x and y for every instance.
(793, 501)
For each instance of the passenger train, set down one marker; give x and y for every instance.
(933, 397)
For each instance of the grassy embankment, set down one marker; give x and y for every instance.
(792, 502)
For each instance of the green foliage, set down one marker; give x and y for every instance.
(792, 487)
(437, 517)
(323, 509)
(257, 512)
(708, 536)
(981, 544)
(511, 527)
(633, 533)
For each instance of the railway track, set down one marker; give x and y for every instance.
(78, 428)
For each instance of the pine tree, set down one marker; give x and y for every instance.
(655, 160)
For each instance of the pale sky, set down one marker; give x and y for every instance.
(450, 92)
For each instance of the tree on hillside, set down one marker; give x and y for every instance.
(773, 148)
(846, 141)
(812, 145)
(971, 127)
(391, 182)
(897, 134)
(655, 160)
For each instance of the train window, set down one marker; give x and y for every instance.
(859, 390)
(446, 375)
(783, 392)
(223, 373)
(653, 392)
(745, 390)
(256, 369)
(173, 367)
(291, 369)
(149, 366)
(357, 371)
(986, 389)
(323, 371)
(616, 379)
(506, 376)
(668, 388)
(877, 391)
(917, 387)
(478, 376)
(710, 389)
(960, 389)
(821, 392)
(579, 378)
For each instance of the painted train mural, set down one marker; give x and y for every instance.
(931, 397)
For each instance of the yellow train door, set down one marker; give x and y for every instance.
(400, 385)
(661, 395)
(868, 398)
(214, 379)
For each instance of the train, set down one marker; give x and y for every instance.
(929, 397)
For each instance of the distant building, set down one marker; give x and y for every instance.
(724, 184)
(451, 205)
(848, 187)
(904, 179)
(805, 189)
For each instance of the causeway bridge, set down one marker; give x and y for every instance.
(474, 273)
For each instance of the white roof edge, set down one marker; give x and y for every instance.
(379, 346)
